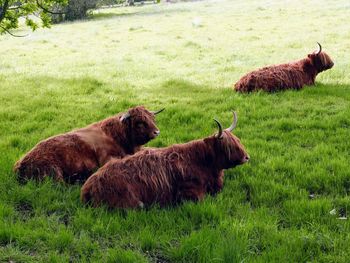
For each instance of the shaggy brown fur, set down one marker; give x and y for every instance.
(165, 176)
(292, 75)
(75, 155)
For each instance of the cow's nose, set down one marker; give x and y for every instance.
(156, 133)
(246, 158)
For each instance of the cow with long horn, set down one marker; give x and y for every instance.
(166, 176)
(75, 155)
(293, 75)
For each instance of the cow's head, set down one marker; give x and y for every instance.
(320, 59)
(140, 124)
(228, 149)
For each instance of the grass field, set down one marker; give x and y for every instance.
(77, 73)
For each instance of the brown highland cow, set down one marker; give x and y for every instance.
(75, 155)
(292, 75)
(166, 176)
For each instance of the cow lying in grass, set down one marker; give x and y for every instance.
(75, 155)
(292, 75)
(166, 176)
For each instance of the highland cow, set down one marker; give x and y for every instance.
(75, 155)
(166, 176)
(292, 75)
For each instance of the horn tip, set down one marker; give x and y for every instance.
(216, 121)
(319, 47)
(219, 135)
(158, 111)
(234, 114)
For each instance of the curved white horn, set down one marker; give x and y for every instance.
(125, 116)
(234, 123)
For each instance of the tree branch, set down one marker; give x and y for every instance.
(47, 10)
(3, 9)
(14, 7)
(9, 32)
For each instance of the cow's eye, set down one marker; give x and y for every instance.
(141, 125)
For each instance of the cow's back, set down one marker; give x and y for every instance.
(66, 157)
(273, 78)
(104, 146)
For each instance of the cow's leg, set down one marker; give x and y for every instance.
(126, 202)
(194, 195)
(57, 174)
(217, 184)
(126, 196)
(38, 171)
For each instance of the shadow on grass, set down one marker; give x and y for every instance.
(66, 89)
(329, 89)
(43, 106)
(184, 94)
(319, 89)
(182, 86)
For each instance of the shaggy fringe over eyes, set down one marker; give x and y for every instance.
(325, 60)
(227, 147)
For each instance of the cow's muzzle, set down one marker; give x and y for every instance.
(246, 159)
(156, 133)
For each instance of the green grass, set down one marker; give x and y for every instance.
(76, 73)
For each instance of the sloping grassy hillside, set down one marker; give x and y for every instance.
(77, 73)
